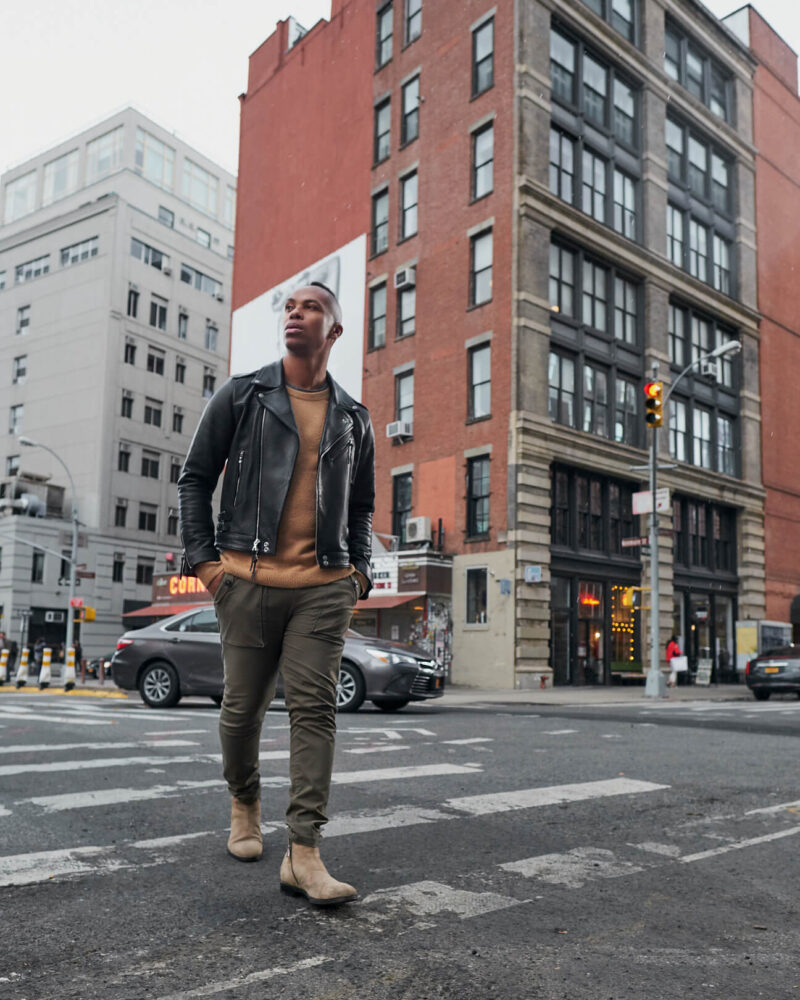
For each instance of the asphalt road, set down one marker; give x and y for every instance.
(636, 852)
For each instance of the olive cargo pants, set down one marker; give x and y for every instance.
(301, 633)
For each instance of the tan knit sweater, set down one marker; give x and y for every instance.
(294, 563)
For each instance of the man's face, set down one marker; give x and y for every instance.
(309, 327)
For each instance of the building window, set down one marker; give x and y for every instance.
(594, 185)
(626, 424)
(618, 13)
(701, 75)
(594, 296)
(202, 282)
(383, 124)
(591, 513)
(409, 123)
(677, 430)
(409, 201)
(477, 590)
(404, 397)
(152, 412)
(212, 336)
(482, 162)
(133, 302)
(180, 370)
(230, 251)
(2, 280)
(562, 67)
(229, 207)
(183, 326)
(19, 369)
(726, 449)
(483, 57)
(406, 311)
(561, 389)
(172, 521)
(199, 187)
(697, 167)
(79, 251)
(120, 513)
(595, 400)
(12, 469)
(677, 336)
(209, 381)
(479, 396)
(413, 20)
(701, 439)
(203, 238)
(562, 280)
(698, 250)
(562, 165)
(380, 222)
(130, 352)
(32, 269)
(595, 89)
(118, 568)
(675, 235)
(154, 160)
(166, 217)
(127, 404)
(625, 310)
(147, 517)
(60, 177)
(37, 567)
(384, 35)
(722, 265)
(20, 197)
(481, 268)
(174, 470)
(15, 415)
(158, 313)
(377, 316)
(155, 361)
(124, 458)
(401, 504)
(478, 496)
(701, 338)
(144, 572)
(720, 183)
(149, 255)
(624, 205)
(150, 464)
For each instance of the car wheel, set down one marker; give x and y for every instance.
(159, 685)
(761, 695)
(389, 706)
(349, 689)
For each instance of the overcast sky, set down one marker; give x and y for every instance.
(66, 64)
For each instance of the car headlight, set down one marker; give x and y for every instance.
(386, 657)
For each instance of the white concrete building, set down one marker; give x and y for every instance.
(116, 251)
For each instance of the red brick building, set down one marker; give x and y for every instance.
(776, 133)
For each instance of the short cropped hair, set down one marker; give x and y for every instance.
(336, 307)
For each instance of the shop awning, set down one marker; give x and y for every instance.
(162, 610)
(386, 601)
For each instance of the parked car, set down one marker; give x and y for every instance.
(93, 665)
(777, 670)
(182, 655)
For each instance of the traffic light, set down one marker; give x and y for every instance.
(654, 413)
(627, 597)
(87, 614)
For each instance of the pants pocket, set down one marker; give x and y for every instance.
(240, 612)
(335, 609)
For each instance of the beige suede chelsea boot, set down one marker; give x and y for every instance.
(244, 843)
(304, 874)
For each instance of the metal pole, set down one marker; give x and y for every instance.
(72, 567)
(656, 685)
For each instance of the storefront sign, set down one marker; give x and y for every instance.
(409, 577)
(704, 668)
(643, 501)
(177, 588)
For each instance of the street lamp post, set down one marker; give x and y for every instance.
(655, 686)
(27, 442)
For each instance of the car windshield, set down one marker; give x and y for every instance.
(199, 621)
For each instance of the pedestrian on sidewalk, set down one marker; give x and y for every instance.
(289, 559)
(673, 650)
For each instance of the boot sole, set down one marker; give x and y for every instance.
(293, 890)
(238, 857)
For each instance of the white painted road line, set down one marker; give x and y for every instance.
(739, 845)
(60, 747)
(474, 739)
(558, 732)
(177, 732)
(378, 749)
(399, 773)
(254, 977)
(115, 796)
(82, 765)
(775, 809)
(526, 798)
(573, 868)
(429, 899)
(58, 719)
(371, 820)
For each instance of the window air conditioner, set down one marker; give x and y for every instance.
(406, 277)
(418, 529)
(709, 368)
(400, 428)
(166, 270)
(220, 298)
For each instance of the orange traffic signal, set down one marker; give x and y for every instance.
(654, 412)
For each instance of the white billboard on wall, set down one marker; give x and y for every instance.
(256, 328)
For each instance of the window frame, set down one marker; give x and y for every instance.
(474, 386)
(406, 117)
(381, 106)
(474, 275)
(410, 211)
(675, 37)
(400, 515)
(475, 136)
(478, 504)
(379, 227)
(476, 91)
(410, 15)
(372, 292)
(381, 40)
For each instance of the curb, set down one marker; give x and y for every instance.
(75, 692)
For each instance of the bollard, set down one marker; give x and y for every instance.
(4, 666)
(101, 671)
(69, 670)
(44, 672)
(22, 669)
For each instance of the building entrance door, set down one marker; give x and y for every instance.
(591, 659)
(700, 621)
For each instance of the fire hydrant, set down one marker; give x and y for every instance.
(543, 682)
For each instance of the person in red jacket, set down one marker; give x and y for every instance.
(673, 649)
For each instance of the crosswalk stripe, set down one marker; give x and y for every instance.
(253, 977)
(82, 765)
(61, 747)
(116, 796)
(378, 749)
(399, 773)
(59, 719)
(472, 739)
(526, 798)
(739, 845)
(573, 868)
(428, 899)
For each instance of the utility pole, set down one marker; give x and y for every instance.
(656, 686)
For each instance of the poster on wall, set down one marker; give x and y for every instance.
(256, 328)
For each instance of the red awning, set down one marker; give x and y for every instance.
(162, 610)
(386, 601)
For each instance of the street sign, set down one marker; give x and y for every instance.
(84, 574)
(533, 574)
(65, 539)
(632, 543)
(76, 602)
(643, 501)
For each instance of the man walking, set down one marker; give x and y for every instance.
(287, 563)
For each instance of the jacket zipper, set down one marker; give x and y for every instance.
(238, 477)
(257, 540)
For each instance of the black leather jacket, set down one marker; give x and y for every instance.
(248, 429)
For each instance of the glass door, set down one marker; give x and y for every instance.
(699, 644)
(591, 658)
(725, 653)
(561, 629)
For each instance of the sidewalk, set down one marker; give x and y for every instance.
(457, 696)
